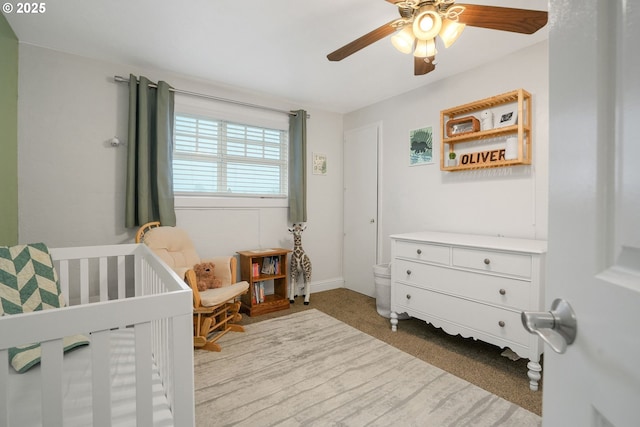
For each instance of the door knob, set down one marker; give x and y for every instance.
(557, 327)
(372, 220)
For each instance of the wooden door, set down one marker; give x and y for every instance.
(361, 208)
(594, 217)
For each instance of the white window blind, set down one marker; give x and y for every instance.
(216, 157)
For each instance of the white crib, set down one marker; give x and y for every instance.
(115, 294)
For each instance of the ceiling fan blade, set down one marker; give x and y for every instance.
(420, 66)
(523, 21)
(362, 42)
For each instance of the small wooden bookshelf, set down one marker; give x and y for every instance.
(258, 267)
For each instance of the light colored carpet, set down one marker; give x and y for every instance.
(309, 369)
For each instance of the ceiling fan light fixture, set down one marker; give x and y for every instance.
(427, 23)
(450, 32)
(422, 21)
(403, 40)
(425, 48)
(421, 49)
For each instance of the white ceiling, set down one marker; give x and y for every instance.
(275, 47)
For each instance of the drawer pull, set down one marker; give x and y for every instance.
(419, 251)
(487, 261)
(408, 296)
(503, 292)
(408, 272)
(501, 323)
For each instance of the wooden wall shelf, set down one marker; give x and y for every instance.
(470, 157)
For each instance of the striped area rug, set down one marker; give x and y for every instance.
(313, 370)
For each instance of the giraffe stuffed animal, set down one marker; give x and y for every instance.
(299, 261)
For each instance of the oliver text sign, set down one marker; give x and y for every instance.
(482, 157)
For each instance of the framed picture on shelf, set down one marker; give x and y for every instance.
(462, 125)
(507, 118)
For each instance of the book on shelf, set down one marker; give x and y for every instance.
(271, 265)
(255, 269)
(258, 292)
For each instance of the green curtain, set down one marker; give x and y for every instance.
(298, 166)
(150, 154)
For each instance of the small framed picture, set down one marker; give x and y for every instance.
(421, 146)
(319, 164)
(507, 118)
(462, 125)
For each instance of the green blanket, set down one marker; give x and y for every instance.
(28, 282)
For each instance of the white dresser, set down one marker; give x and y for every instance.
(471, 285)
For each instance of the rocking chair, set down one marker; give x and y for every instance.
(215, 311)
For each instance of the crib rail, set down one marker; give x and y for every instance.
(107, 288)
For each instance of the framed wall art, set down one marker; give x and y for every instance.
(421, 146)
(319, 164)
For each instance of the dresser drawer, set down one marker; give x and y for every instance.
(423, 252)
(435, 307)
(483, 287)
(513, 264)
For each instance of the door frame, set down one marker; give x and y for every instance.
(379, 181)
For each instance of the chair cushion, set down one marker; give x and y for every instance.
(213, 297)
(173, 246)
(28, 282)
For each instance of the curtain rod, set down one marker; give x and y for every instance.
(121, 79)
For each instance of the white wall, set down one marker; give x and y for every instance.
(499, 201)
(71, 181)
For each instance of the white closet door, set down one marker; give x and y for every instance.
(361, 208)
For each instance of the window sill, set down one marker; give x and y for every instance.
(203, 202)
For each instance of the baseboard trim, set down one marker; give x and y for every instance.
(325, 285)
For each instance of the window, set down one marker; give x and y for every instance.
(215, 157)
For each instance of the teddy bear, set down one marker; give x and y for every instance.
(205, 277)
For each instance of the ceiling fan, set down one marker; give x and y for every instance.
(421, 21)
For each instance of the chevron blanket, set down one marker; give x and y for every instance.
(28, 282)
